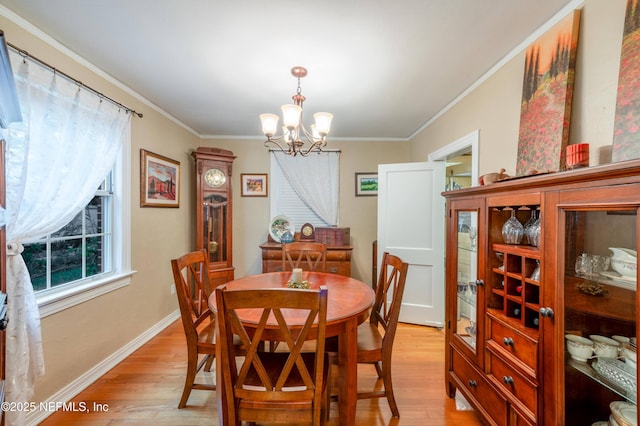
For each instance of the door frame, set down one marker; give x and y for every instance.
(460, 146)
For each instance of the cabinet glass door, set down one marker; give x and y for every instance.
(215, 226)
(599, 280)
(467, 267)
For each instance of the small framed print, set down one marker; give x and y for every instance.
(254, 185)
(159, 180)
(366, 184)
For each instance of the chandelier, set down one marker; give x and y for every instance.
(295, 137)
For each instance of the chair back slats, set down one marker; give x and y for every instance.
(264, 378)
(309, 256)
(191, 277)
(389, 292)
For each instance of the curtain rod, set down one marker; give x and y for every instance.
(26, 54)
(329, 151)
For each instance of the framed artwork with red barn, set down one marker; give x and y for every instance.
(159, 180)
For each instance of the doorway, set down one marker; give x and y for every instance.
(461, 161)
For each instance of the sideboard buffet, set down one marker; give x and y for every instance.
(338, 257)
(509, 307)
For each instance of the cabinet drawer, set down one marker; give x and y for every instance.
(340, 268)
(338, 255)
(271, 265)
(524, 391)
(333, 267)
(507, 339)
(479, 389)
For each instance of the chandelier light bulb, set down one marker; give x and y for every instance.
(269, 124)
(291, 115)
(323, 122)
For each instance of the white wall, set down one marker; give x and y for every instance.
(494, 106)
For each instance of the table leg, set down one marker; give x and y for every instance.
(348, 369)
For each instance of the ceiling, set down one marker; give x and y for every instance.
(383, 68)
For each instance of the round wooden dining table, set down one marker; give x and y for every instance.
(348, 304)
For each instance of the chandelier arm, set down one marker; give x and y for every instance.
(315, 147)
(274, 141)
(310, 138)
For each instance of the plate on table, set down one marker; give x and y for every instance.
(279, 225)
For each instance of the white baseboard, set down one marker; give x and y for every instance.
(81, 383)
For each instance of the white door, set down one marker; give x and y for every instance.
(411, 220)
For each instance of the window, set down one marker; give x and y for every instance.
(89, 256)
(305, 189)
(82, 249)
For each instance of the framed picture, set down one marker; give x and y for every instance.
(545, 111)
(254, 185)
(626, 137)
(159, 180)
(366, 184)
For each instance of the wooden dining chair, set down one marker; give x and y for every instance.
(191, 278)
(282, 387)
(375, 337)
(310, 256)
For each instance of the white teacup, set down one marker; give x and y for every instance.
(621, 339)
(605, 347)
(580, 348)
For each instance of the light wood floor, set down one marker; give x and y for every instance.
(146, 387)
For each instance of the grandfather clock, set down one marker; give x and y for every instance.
(213, 210)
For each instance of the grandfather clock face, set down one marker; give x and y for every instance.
(215, 178)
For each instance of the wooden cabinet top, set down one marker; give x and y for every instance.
(626, 171)
(272, 245)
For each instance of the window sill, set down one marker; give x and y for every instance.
(57, 301)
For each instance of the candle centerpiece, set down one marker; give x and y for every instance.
(296, 280)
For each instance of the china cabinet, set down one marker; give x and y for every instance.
(213, 210)
(511, 305)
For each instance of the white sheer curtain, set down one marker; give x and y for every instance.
(315, 180)
(56, 158)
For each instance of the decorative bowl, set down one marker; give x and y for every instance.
(624, 413)
(579, 347)
(604, 347)
(490, 178)
(628, 352)
(621, 339)
(624, 261)
(626, 269)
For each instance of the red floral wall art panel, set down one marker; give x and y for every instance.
(626, 134)
(546, 98)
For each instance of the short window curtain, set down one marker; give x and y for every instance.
(56, 158)
(315, 180)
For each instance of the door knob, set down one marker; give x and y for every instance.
(546, 312)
